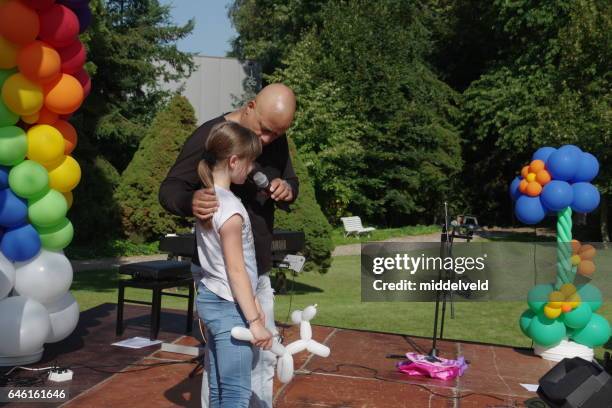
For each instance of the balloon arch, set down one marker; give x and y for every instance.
(42, 82)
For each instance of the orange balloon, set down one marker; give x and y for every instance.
(543, 177)
(575, 246)
(39, 62)
(587, 251)
(586, 268)
(533, 189)
(30, 119)
(46, 117)
(18, 23)
(525, 171)
(63, 95)
(523, 186)
(536, 166)
(69, 133)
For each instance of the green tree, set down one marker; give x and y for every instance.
(132, 50)
(374, 123)
(550, 86)
(143, 218)
(306, 216)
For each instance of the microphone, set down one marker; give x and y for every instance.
(263, 184)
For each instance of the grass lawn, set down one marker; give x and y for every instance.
(338, 237)
(338, 295)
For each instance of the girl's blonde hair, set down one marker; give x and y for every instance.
(225, 140)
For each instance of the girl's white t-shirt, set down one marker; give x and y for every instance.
(210, 251)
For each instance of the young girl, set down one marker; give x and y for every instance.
(226, 293)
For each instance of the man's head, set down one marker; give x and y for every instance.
(270, 114)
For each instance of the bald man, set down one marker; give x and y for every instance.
(269, 116)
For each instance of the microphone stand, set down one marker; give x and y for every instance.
(446, 250)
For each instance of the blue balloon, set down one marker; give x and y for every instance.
(4, 172)
(586, 197)
(74, 4)
(563, 163)
(557, 195)
(20, 244)
(13, 210)
(529, 210)
(588, 167)
(84, 15)
(514, 188)
(543, 153)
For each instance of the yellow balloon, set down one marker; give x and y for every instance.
(69, 198)
(65, 174)
(31, 119)
(8, 53)
(551, 313)
(21, 95)
(45, 144)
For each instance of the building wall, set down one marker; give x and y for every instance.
(216, 84)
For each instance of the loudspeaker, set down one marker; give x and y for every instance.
(576, 383)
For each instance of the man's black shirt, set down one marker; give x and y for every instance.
(176, 191)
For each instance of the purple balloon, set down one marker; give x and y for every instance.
(73, 4)
(4, 172)
(84, 16)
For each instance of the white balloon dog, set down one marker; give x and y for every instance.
(285, 354)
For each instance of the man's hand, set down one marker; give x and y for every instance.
(204, 203)
(281, 190)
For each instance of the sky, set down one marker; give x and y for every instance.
(213, 29)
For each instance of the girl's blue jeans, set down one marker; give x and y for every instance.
(230, 360)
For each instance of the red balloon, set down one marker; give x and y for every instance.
(73, 57)
(59, 26)
(83, 77)
(18, 23)
(39, 4)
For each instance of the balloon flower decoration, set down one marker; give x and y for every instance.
(42, 83)
(561, 318)
(285, 354)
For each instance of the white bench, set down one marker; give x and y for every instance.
(353, 225)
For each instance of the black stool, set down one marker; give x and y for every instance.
(170, 274)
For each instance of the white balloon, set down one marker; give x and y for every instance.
(305, 331)
(318, 349)
(278, 348)
(242, 333)
(44, 278)
(284, 369)
(309, 313)
(296, 347)
(64, 315)
(24, 325)
(7, 276)
(296, 316)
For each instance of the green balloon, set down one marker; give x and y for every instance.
(13, 145)
(579, 317)
(7, 116)
(546, 332)
(525, 321)
(48, 209)
(596, 332)
(5, 73)
(590, 294)
(29, 179)
(538, 296)
(56, 237)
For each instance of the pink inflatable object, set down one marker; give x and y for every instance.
(418, 365)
